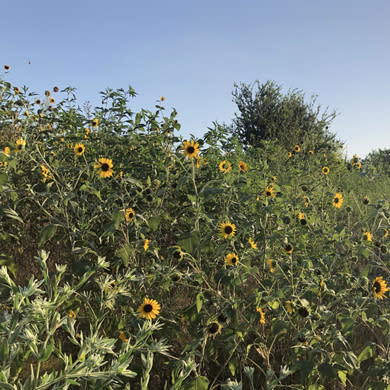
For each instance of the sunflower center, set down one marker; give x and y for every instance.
(213, 328)
(234, 260)
(148, 308)
(190, 149)
(377, 287)
(131, 215)
(268, 193)
(228, 229)
(288, 248)
(80, 149)
(336, 200)
(105, 167)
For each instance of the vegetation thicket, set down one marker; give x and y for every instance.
(132, 258)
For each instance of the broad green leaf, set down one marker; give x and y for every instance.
(198, 383)
(367, 352)
(199, 301)
(48, 351)
(279, 327)
(47, 233)
(342, 376)
(189, 241)
(3, 178)
(327, 370)
(154, 222)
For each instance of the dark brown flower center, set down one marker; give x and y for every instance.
(213, 328)
(303, 312)
(190, 149)
(288, 248)
(234, 260)
(336, 200)
(105, 167)
(268, 193)
(228, 229)
(148, 308)
(377, 287)
(80, 149)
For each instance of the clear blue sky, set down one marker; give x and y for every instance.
(192, 52)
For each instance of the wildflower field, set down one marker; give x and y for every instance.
(132, 258)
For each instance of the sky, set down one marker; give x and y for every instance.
(192, 53)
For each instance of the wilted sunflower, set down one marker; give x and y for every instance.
(289, 307)
(79, 149)
(271, 264)
(325, 170)
(262, 315)
(20, 145)
(367, 236)
(338, 200)
(129, 214)
(191, 149)
(379, 286)
(243, 166)
(288, 248)
(225, 166)
(149, 309)
(231, 259)
(104, 167)
(297, 148)
(227, 229)
(214, 329)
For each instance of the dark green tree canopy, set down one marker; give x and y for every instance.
(265, 113)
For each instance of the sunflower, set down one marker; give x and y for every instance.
(306, 201)
(47, 93)
(310, 152)
(149, 309)
(56, 89)
(16, 90)
(231, 259)
(367, 236)
(178, 253)
(162, 98)
(269, 192)
(72, 314)
(104, 167)
(45, 173)
(191, 149)
(6, 67)
(95, 122)
(20, 145)
(358, 165)
(52, 100)
(288, 248)
(262, 315)
(243, 166)
(79, 149)
(338, 200)
(227, 229)
(7, 151)
(214, 329)
(379, 286)
(297, 148)
(3, 163)
(325, 170)
(289, 155)
(366, 200)
(252, 243)
(271, 264)
(146, 245)
(225, 166)
(129, 214)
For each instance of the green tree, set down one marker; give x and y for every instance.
(378, 162)
(265, 113)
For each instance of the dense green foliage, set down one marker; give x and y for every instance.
(262, 265)
(265, 113)
(378, 162)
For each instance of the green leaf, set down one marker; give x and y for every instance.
(4, 349)
(3, 178)
(279, 327)
(189, 241)
(198, 383)
(125, 253)
(347, 324)
(47, 233)
(342, 376)
(199, 301)
(154, 222)
(327, 370)
(48, 351)
(367, 352)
